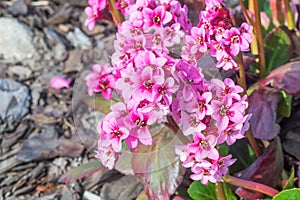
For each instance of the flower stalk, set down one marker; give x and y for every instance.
(258, 187)
(242, 83)
(220, 191)
(259, 37)
(116, 14)
(289, 15)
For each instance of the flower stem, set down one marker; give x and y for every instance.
(220, 191)
(242, 83)
(249, 20)
(116, 14)
(259, 37)
(258, 187)
(253, 45)
(289, 15)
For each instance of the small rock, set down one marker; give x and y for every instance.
(127, 187)
(60, 52)
(19, 7)
(16, 40)
(90, 196)
(73, 63)
(79, 39)
(14, 105)
(20, 71)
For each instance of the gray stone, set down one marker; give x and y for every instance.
(79, 39)
(125, 188)
(60, 52)
(15, 102)
(16, 40)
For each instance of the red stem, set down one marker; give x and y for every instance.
(258, 187)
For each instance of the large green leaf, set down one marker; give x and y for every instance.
(278, 48)
(292, 194)
(198, 191)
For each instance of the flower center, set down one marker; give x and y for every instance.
(138, 45)
(117, 133)
(204, 144)
(156, 19)
(162, 91)
(140, 123)
(226, 90)
(193, 122)
(148, 84)
(199, 41)
(223, 110)
(201, 105)
(123, 4)
(156, 39)
(234, 39)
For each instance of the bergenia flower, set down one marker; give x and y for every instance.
(94, 12)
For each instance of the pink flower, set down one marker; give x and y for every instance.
(191, 123)
(157, 17)
(222, 164)
(114, 132)
(94, 12)
(200, 105)
(144, 83)
(227, 62)
(197, 40)
(58, 82)
(227, 111)
(205, 172)
(138, 122)
(101, 80)
(107, 155)
(227, 87)
(124, 6)
(163, 93)
(203, 146)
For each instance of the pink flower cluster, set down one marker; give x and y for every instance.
(93, 11)
(212, 113)
(155, 85)
(215, 32)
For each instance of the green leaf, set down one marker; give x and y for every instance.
(292, 194)
(278, 48)
(229, 193)
(198, 191)
(223, 149)
(82, 171)
(285, 105)
(98, 103)
(290, 182)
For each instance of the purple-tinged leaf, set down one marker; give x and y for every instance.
(82, 171)
(263, 105)
(158, 165)
(266, 170)
(286, 77)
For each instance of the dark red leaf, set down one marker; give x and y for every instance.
(286, 77)
(266, 170)
(263, 104)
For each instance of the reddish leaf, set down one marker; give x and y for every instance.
(277, 12)
(263, 104)
(158, 165)
(285, 78)
(266, 170)
(82, 171)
